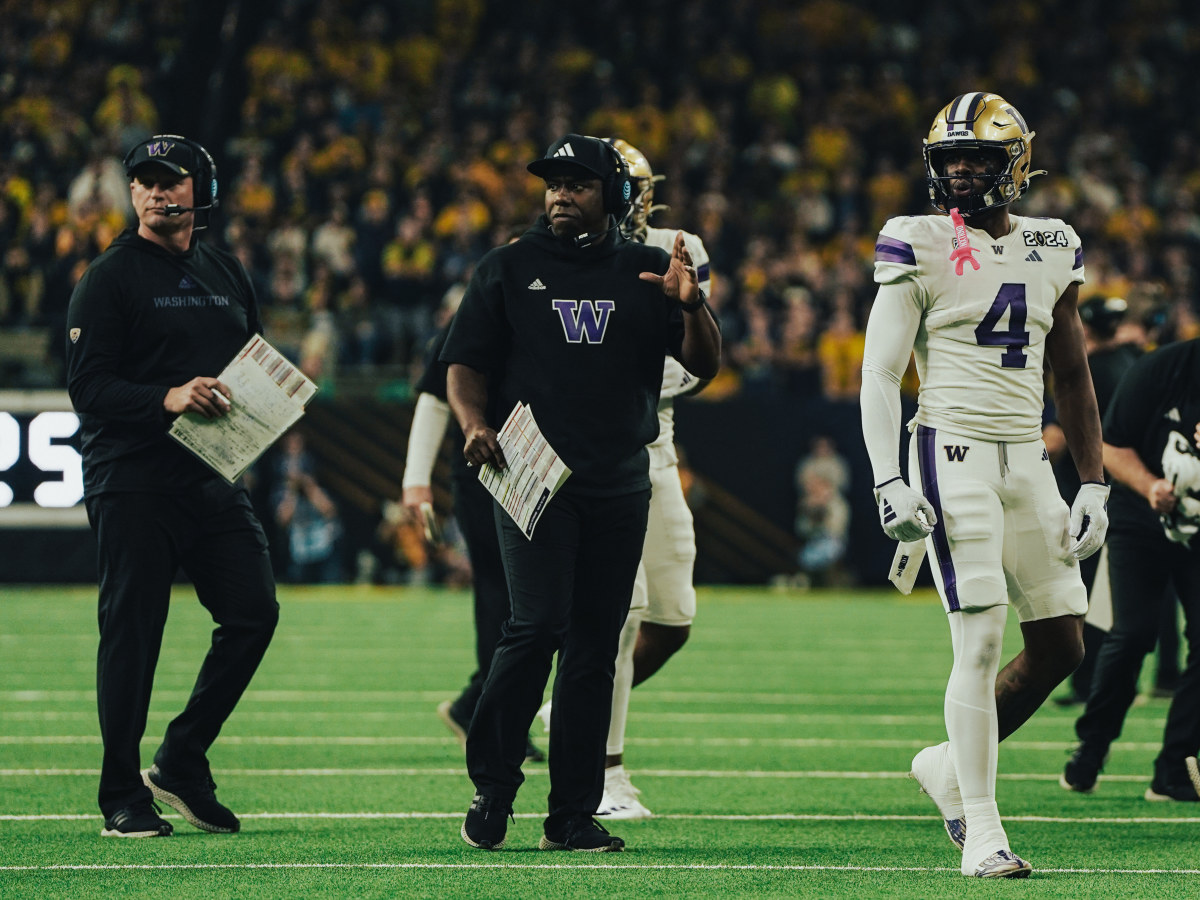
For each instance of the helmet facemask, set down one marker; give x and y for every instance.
(979, 122)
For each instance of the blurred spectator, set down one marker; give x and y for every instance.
(822, 511)
(307, 517)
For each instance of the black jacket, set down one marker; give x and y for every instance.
(577, 336)
(141, 321)
(1158, 396)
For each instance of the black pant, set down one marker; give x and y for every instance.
(211, 532)
(473, 511)
(1141, 566)
(570, 587)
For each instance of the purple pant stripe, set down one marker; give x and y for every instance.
(926, 438)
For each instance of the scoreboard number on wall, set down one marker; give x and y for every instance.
(41, 469)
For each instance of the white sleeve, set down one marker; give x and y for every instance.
(891, 331)
(424, 440)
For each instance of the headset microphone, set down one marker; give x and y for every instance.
(587, 238)
(174, 209)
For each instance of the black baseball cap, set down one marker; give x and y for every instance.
(587, 153)
(166, 150)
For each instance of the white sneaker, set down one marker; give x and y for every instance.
(620, 800)
(544, 715)
(931, 769)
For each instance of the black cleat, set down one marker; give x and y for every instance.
(1082, 770)
(486, 823)
(195, 799)
(1182, 791)
(584, 834)
(142, 820)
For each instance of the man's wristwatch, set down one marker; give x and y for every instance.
(695, 304)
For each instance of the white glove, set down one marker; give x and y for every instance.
(904, 513)
(1089, 519)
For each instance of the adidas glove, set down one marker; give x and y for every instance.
(904, 513)
(1089, 519)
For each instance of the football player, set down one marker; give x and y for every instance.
(985, 298)
(664, 600)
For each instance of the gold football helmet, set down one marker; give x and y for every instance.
(637, 220)
(979, 121)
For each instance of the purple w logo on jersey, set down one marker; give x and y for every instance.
(584, 320)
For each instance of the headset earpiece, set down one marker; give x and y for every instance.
(617, 186)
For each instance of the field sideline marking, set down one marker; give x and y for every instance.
(703, 867)
(689, 817)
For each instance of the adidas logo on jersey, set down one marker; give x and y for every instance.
(1173, 415)
(536, 285)
(1034, 256)
(186, 284)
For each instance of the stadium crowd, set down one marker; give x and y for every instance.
(370, 154)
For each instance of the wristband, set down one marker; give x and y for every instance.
(694, 305)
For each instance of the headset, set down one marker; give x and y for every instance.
(617, 186)
(204, 182)
(616, 192)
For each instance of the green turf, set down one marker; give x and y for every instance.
(773, 750)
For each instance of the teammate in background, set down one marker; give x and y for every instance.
(1151, 448)
(664, 600)
(985, 297)
(150, 323)
(473, 512)
(572, 320)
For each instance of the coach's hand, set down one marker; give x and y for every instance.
(904, 513)
(1089, 519)
(679, 282)
(207, 397)
(483, 446)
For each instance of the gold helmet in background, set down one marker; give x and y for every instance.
(637, 220)
(979, 121)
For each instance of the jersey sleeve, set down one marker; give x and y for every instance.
(1128, 414)
(479, 334)
(700, 260)
(95, 349)
(896, 252)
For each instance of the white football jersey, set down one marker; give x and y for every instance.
(982, 339)
(676, 379)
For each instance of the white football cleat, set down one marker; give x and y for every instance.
(1003, 864)
(620, 800)
(544, 715)
(931, 769)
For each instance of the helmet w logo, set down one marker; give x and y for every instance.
(160, 148)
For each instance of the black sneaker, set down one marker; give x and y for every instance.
(142, 820)
(1183, 791)
(532, 752)
(486, 823)
(195, 800)
(1082, 770)
(583, 834)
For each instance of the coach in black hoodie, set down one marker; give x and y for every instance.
(150, 324)
(575, 320)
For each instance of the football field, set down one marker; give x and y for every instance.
(773, 749)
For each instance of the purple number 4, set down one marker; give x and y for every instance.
(1014, 341)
